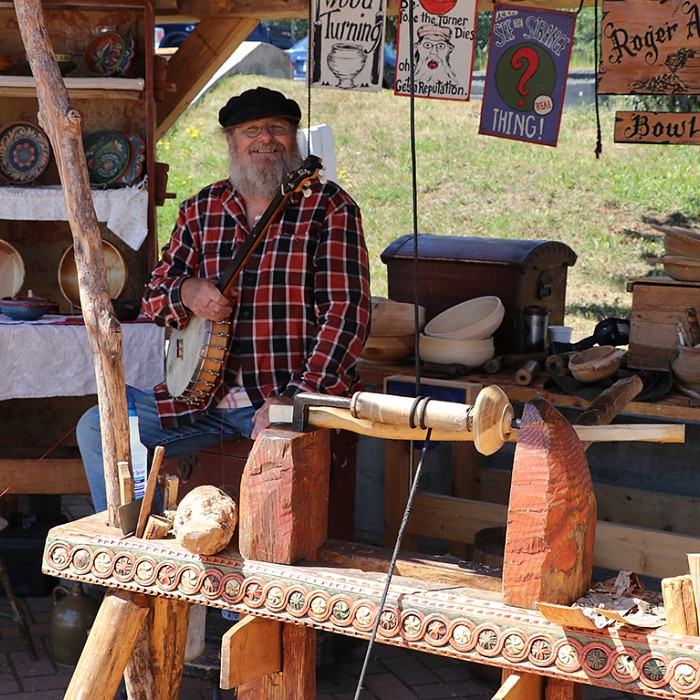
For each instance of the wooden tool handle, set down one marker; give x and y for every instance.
(527, 372)
(145, 511)
(693, 326)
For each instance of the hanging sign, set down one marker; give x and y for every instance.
(346, 48)
(526, 73)
(678, 128)
(650, 47)
(444, 37)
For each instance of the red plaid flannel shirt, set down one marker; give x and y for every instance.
(303, 297)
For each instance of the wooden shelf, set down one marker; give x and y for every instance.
(105, 88)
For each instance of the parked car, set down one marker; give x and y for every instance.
(169, 36)
(298, 59)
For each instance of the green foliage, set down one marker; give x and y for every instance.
(473, 185)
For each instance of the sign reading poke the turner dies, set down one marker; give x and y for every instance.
(346, 48)
(526, 74)
(443, 48)
(650, 47)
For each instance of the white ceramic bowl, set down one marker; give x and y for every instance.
(473, 319)
(470, 353)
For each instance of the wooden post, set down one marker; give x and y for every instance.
(551, 513)
(284, 518)
(167, 625)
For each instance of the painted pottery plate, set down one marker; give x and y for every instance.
(108, 155)
(134, 169)
(115, 267)
(11, 270)
(25, 152)
(109, 53)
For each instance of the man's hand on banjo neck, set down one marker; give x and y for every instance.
(202, 298)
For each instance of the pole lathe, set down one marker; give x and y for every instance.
(489, 423)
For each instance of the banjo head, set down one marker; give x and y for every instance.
(194, 358)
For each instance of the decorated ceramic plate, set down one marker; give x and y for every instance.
(115, 267)
(134, 169)
(25, 152)
(108, 154)
(109, 53)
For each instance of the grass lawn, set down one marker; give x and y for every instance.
(473, 185)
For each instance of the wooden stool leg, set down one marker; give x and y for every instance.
(17, 614)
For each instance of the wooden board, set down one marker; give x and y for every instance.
(650, 47)
(677, 128)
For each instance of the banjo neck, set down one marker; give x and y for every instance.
(296, 181)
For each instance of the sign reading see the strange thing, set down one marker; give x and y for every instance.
(441, 54)
(346, 48)
(650, 47)
(526, 74)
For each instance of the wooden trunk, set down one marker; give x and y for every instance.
(659, 304)
(453, 269)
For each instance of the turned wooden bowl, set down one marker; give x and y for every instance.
(474, 319)
(681, 268)
(394, 318)
(680, 241)
(384, 349)
(596, 363)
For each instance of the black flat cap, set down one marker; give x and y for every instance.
(258, 103)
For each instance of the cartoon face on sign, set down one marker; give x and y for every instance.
(525, 78)
(433, 51)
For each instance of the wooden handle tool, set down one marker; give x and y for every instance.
(527, 372)
(145, 511)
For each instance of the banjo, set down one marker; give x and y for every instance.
(196, 355)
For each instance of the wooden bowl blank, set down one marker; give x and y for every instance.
(394, 318)
(680, 268)
(117, 273)
(680, 241)
(687, 367)
(11, 270)
(596, 363)
(388, 348)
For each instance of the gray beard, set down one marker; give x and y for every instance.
(262, 181)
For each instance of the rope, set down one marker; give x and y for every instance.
(392, 565)
(308, 84)
(599, 138)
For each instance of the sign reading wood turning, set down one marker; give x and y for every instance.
(650, 47)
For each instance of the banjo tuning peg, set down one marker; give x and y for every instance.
(306, 191)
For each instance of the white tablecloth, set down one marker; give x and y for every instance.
(124, 210)
(49, 358)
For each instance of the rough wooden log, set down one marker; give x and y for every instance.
(167, 626)
(205, 520)
(284, 496)
(551, 514)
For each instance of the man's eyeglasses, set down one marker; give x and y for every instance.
(254, 130)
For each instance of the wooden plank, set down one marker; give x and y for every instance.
(444, 570)
(560, 689)
(196, 61)
(649, 47)
(677, 128)
(520, 686)
(642, 550)
(49, 476)
(397, 486)
(251, 649)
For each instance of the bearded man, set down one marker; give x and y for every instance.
(299, 308)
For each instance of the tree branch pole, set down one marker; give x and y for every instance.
(62, 123)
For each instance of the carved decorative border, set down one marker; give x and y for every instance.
(435, 621)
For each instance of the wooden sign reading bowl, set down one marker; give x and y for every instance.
(116, 269)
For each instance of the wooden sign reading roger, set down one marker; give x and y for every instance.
(650, 47)
(678, 128)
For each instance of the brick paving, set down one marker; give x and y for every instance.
(392, 674)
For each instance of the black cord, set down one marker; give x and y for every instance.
(599, 138)
(308, 86)
(392, 565)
